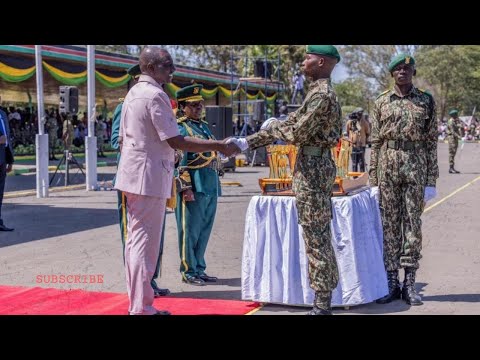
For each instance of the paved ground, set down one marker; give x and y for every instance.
(76, 232)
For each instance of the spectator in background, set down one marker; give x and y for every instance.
(298, 80)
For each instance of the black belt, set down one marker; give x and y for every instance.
(404, 145)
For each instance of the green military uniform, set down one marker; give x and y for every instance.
(121, 198)
(454, 134)
(403, 162)
(52, 135)
(315, 127)
(68, 131)
(100, 132)
(198, 172)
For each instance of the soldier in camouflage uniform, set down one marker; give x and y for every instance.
(68, 131)
(404, 166)
(315, 127)
(454, 133)
(52, 128)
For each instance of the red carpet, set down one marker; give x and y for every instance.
(16, 300)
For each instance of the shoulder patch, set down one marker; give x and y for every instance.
(383, 93)
(182, 119)
(425, 92)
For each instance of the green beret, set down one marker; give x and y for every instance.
(401, 59)
(134, 70)
(453, 112)
(327, 50)
(190, 93)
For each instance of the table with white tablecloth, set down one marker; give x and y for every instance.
(274, 263)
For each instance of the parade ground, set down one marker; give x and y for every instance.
(76, 232)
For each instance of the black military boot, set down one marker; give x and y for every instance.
(322, 303)
(409, 294)
(394, 291)
(453, 171)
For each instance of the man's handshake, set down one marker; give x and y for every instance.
(240, 143)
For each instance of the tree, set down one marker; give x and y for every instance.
(354, 93)
(370, 62)
(452, 74)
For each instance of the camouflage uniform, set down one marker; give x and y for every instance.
(68, 131)
(403, 161)
(315, 127)
(52, 134)
(454, 133)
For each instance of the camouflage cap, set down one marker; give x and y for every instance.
(453, 112)
(190, 93)
(327, 50)
(134, 70)
(401, 59)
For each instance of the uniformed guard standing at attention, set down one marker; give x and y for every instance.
(198, 187)
(134, 72)
(404, 166)
(68, 131)
(454, 134)
(315, 127)
(52, 128)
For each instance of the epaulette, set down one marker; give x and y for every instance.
(425, 92)
(181, 119)
(121, 99)
(383, 93)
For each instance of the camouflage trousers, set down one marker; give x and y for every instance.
(314, 214)
(401, 205)
(452, 151)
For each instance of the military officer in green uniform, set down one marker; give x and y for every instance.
(404, 166)
(315, 127)
(133, 71)
(454, 134)
(198, 187)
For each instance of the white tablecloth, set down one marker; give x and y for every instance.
(274, 263)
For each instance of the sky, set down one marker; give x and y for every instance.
(339, 73)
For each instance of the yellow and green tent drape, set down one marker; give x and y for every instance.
(11, 74)
(207, 94)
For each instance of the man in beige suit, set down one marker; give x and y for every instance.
(148, 136)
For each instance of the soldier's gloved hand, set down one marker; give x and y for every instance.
(430, 193)
(241, 143)
(267, 123)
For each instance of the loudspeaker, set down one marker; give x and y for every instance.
(263, 69)
(219, 120)
(68, 99)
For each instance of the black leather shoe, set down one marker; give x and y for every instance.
(394, 291)
(207, 278)
(193, 281)
(160, 292)
(163, 312)
(318, 311)
(4, 228)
